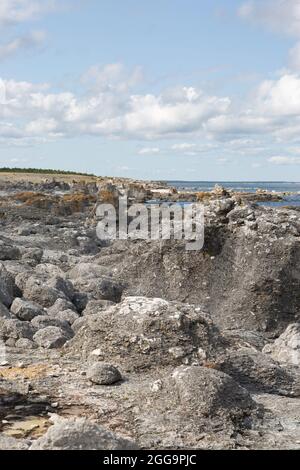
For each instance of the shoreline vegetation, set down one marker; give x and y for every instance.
(46, 171)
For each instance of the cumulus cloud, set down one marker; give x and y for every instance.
(108, 111)
(22, 43)
(277, 15)
(198, 122)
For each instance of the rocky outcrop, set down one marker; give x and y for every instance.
(169, 348)
(142, 333)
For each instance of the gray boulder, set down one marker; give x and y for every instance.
(8, 288)
(62, 285)
(59, 306)
(259, 373)
(96, 306)
(39, 323)
(80, 434)
(24, 343)
(205, 392)
(141, 333)
(101, 373)
(68, 316)
(50, 337)
(4, 312)
(78, 324)
(286, 348)
(16, 329)
(37, 291)
(8, 252)
(25, 310)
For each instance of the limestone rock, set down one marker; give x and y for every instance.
(80, 434)
(101, 373)
(50, 337)
(25, 310)
(286, 349)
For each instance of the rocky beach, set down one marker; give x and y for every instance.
(133, 344)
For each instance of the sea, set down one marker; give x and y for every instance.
(292, 188)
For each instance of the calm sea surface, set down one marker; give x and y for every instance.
(276, 186)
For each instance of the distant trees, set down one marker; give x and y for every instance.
(42, 171)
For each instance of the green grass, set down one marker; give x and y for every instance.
(42, 171)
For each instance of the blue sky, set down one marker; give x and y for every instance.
(168, 89)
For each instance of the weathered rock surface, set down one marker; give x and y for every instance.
(190, 379)
(256, 371)
(15, 329)
(80, 434)
(286, 349)
(10, 443)
(25, 310)
(103, 374)
(50, 337)
(205, 393)
(144, 333)
(4, 312)
(7, 287)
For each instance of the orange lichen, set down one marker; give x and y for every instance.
(30, 372)
(202, 196)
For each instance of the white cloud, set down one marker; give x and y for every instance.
(284, 160)
(280, 97)
(112, 77)
(149, 151)
(18, 11)
(110, 111)
(199, 123)
(183, 146)
(277, 15)
(21, 43)
(153, 116)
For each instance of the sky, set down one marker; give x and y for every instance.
(160, 89)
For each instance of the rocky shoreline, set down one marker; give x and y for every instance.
(135, 344)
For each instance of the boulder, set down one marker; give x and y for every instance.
(79, 323)
(24, 343)
(39, 323)
(4, 312)
(68, 316)
(259, 373)
(101, 373)
(96, 281)
(62, 285)
(80, 434)
(33, 256)
(286, 348)
(50, 337)
(206, 393)
(15, 329)
(8, 288)
(8, 252)
(25, 310)
(37, 291)
(59, 306)
(142, 333)
(95, 307)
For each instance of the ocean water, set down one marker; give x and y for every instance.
(246, 186)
